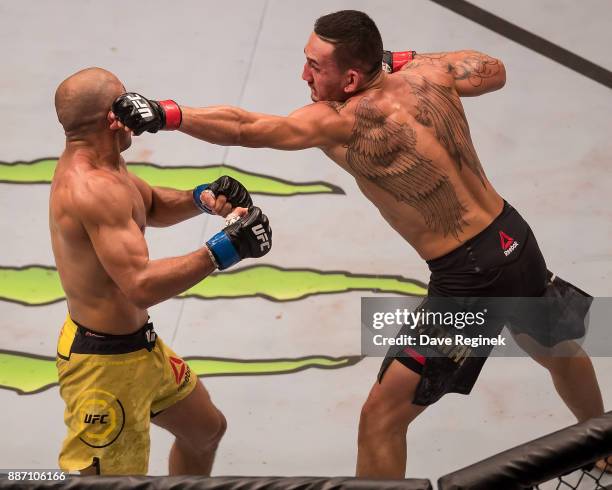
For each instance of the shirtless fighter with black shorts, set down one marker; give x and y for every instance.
(402, 133)
(115, 374)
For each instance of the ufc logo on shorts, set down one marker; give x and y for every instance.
(143, 109)
(92, 418)
(261, 234)
(150, 335)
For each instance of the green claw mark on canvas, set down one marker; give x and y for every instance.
(37, 285)
(41, 171)
(228, 367)
(27, 374)
(278, 284)
(30, 286)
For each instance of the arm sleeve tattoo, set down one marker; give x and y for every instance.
(463, 65)
(475, 68)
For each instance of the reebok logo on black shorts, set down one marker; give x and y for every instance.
(508, 244)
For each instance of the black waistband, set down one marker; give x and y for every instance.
(438, 261)
(88, 341)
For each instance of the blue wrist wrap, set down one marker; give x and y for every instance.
(196, 198)
(224, 251)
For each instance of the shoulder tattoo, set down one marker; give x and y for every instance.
(439, 108)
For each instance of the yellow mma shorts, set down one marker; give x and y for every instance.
(112, 385)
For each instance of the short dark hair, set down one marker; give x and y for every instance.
(355, 37)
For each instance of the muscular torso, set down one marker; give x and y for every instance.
(408, 145)
(94, 300)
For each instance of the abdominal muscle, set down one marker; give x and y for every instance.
(105, 310)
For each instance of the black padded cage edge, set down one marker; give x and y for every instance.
(538, 461)
(215, 483)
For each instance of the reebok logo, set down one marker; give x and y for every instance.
(178, 368)
(141, 105)
(508, 244)
(181, 371)
(186, 380)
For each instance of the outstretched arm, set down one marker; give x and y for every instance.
(316, 125)
(310, 127)
(474, 73)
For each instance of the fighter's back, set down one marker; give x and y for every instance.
(93, 297)
(411, 153)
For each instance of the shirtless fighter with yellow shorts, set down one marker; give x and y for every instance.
(401, 132)
(115, 374)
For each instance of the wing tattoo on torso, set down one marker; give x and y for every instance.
(440, 109)
(384, 152)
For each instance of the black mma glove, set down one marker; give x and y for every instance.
(249, 236)
(140, 114)
(235, 193)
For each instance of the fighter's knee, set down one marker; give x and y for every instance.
(369, 410)
(556, 365)
(377, 416)
(215, 432)
(221, 428)
(208, 435)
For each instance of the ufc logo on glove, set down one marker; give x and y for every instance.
(141, 105)
(261, 234)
